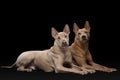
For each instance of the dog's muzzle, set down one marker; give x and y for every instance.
(64, 44)
(84, 37)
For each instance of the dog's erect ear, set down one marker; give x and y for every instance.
(75, 27)
(54, 32)
(66, 29)
(87, 25)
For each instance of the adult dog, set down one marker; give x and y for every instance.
(52, 59)
(80, 52)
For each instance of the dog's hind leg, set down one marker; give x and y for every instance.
(22, 68)
(25, 65)
(32, 67)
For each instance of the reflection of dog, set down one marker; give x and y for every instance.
(51, 59)
(80, 51)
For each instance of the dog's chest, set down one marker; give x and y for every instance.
(67, 57)
(75, 50)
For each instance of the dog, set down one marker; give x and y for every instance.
(52, 59)
(80, 52)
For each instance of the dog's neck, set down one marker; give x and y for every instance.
(82, 45)
(57, 49)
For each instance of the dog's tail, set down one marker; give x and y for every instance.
(8, 66)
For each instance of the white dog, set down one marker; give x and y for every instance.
(51, 59)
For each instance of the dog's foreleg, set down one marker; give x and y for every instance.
(81, 61)
(98, 66)
(89, 58)
(59, 68)
(102, 68)
(83, 69)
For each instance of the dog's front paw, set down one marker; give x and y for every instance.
(29, 70)
(91, 71)
(88, 70)
(83, 72)
(111, 69)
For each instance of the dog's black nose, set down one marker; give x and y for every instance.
(84, 37)
(64, 43)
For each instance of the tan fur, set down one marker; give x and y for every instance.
(51, 59)
(80, 52)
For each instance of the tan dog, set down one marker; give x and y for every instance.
(80, 51)
(52, 59)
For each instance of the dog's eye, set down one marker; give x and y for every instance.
(58, 37)
(85, 32)
(79, 33)
(65, 36)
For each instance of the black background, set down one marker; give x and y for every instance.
(29, 28)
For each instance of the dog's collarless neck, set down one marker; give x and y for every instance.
(58, 50)
(81, 45)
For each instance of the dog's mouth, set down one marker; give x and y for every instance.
(84, 38)
(64, 44)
